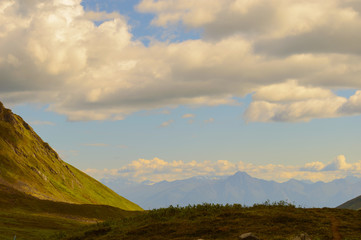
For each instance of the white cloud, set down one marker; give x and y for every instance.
(42, 123)
(338, 164)
(123, 146)
(290, 91)
(313, 166)
(290, 102)
(262, 111)
(167, 123)
(156, 170)
(353, 106)
(210, 120)
(261, 18)
(52, 53)
(95, 144)
(188, 115)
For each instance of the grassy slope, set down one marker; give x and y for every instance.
(30, 218)
(269, 222)
(32, 166)
(354, 204)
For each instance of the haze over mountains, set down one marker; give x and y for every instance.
(238, 188)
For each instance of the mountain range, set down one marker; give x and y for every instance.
(239, 188)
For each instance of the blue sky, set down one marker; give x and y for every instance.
(171, 89)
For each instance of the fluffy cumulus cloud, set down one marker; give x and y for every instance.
(156, 170)
(290, 54)
(291, 102)
(312, 21)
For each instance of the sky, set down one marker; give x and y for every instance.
(170, 89)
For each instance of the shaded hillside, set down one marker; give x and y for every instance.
(206, 221)
(30, 218)
(31, 166)
(354, 204)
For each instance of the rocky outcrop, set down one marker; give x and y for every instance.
(248, 236)
(6, 114)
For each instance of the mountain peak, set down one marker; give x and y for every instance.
(241, 174)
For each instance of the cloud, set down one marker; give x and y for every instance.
(313, 167)
(290, 91)
(66, 154)
(123, 146)
(290, 102)
(156, 170)
(167, 123)
(353, 106)
(188, 115)
(210, 120)
(42, 123)
(54, 54)
(95, 144)
(339, 164)
(275, 19)
(262, 111)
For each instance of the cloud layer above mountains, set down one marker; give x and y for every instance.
(158, 170)
(291, 55)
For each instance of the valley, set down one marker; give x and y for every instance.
(44, 198)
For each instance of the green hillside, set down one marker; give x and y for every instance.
(31, 166)
(354, 204)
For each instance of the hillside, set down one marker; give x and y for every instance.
(354, 204)
(31, 166)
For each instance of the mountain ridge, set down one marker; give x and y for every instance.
(354, 204)
(239, 188)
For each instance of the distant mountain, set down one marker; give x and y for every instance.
(31, 166)
(238, 188)
(354, 204)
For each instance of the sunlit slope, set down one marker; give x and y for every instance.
(32, 166)
(354, 204)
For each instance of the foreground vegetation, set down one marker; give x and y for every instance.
(208, 221)
(34, 219)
